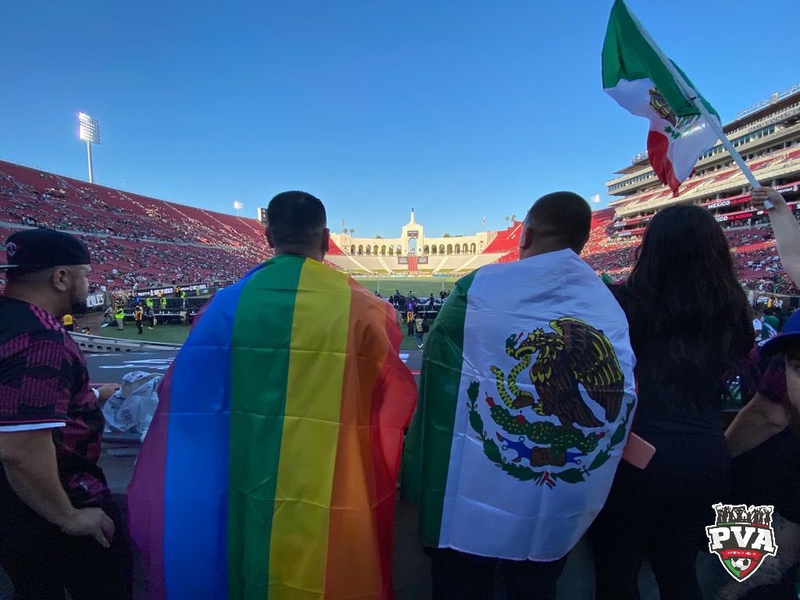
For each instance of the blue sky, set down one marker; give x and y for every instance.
(458, 108)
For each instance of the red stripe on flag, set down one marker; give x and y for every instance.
(378, 400)
(657, 147)
(392, 410)
(354, 567)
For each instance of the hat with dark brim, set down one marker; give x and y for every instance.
(42, 248)
(788, 338)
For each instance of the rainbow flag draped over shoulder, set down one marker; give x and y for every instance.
(269, 470)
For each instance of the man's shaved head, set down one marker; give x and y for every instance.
(555, 222)
(297, 224)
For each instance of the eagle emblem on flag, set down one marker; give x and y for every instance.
(569, 367)
(678, 125)
(662, 108)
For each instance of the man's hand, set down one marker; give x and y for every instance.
(754, 424)
(105, 392)
(761, 194)
(90, 521)
(29, 460)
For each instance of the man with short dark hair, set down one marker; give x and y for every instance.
(526, 395)
(297, 224)
(556, 221)
(57, 518)
(295, 377)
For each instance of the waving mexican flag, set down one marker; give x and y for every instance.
(636, 75)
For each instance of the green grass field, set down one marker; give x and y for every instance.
(421, 286)
(176, 334)
(169, 334)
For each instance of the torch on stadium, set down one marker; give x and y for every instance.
(89, 132)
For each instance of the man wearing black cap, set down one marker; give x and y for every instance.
(57, 518)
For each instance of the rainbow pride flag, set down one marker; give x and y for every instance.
(269, 470)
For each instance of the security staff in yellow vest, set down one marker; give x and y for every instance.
(163, 303)
(148, 302)
(68, 322)
(119, 315)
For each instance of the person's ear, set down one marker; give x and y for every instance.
(268, 235)
(60, 279)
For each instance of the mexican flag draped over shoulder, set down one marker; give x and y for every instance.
(637, 78)
(526, 400)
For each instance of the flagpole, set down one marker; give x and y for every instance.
(693, 96)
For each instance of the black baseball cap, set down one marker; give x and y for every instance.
(788, 338)
(34, 249)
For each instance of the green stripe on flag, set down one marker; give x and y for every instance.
(628, 55)
(441, 375)
(259, 373)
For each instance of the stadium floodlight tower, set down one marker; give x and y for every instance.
(89, 132)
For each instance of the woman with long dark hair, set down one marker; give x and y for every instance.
(690, 329)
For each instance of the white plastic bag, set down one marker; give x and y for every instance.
(131, 408)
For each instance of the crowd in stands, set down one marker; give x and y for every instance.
(139, 242)
(605, 253)
(754, 255)
(136, 241)
(119, 264)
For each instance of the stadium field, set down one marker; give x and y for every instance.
(421, 286)
(386, 286)
(176, 334)
(168, 334)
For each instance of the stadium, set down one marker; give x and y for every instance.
(141, 243)
(144, 246)
(481, 345)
